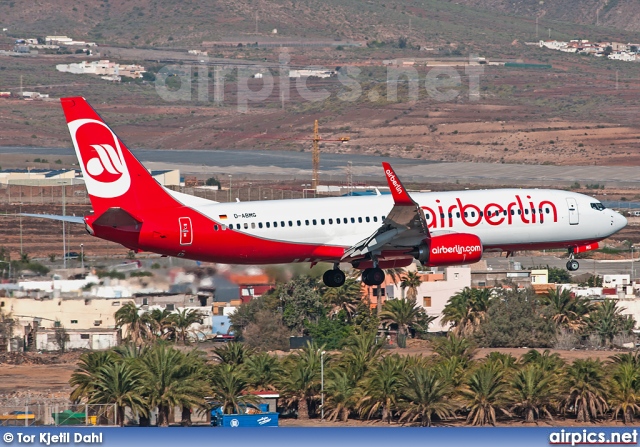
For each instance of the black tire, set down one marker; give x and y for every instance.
(365, 276)
(574, 265)
(334, 278)
(374, 277)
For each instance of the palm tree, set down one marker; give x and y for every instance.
(632, 359)
(567, 310)
(624, 391)
(84, 376)
(585, 391)
(362, 351)
(136, 323)
(382, 388)
(301, 383)
(453, 370)
(229, 384)
(263, 371)
(549, 362)
(485, 394)
(402, 313)
(532, 392)
(411, 281)
(161, 323)
(466, 310)
(455, 346)
(196, 370)
(168, 381)
(346, 297)
(342, 395)
(233, 353)
(425, 394)
(607, 320)
(182, 321)
(120, 384)
(501, 360)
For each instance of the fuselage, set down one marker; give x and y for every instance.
(303, 230)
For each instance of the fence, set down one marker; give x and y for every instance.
(77, 194)
(56, 414)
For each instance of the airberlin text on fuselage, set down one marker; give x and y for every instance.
(493, 213)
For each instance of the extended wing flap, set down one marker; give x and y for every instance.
(404, 226)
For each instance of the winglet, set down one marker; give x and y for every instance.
(398, 191)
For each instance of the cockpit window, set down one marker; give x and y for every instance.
(597, 206)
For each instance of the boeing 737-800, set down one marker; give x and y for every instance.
(371, 233)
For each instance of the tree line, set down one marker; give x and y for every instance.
(363, 381)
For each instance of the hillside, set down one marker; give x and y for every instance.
(466, 24)
(621, 14)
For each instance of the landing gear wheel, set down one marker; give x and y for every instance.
(573, 265)
(333, 278)
(373, 276)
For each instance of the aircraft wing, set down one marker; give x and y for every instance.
(405, 226)
(70, 219)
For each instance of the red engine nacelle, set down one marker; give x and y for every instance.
(449, 249)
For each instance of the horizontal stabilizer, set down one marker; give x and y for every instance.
(70, 219)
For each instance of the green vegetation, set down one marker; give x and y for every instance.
(361, 379)
(110, 274)
(142, 273)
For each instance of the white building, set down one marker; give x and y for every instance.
(99, 339)
(553, 44)
(25, 176)
(623, 56)
(64, 40)
(103, 68)
(435, 291)
(72, 313)
(305, 73)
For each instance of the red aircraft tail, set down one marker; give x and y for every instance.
(113, 176)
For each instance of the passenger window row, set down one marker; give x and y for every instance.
(492, 214)
(298, 223)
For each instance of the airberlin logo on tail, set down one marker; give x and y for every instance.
(103, 165)
(394, 181)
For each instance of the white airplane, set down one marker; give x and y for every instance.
(371, 233)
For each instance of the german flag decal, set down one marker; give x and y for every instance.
(223, 217)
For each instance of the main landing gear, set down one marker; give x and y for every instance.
(373, 276)
(334, 277)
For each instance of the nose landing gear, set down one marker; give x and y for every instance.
(572, 265)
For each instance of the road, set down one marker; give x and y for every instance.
(603, 267)
(289, 165)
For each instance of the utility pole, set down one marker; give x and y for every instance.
(536, 27)
(549, 33)
(349, 177)
(64, 235)
(322, 384)
(315, 156)
(256, 22)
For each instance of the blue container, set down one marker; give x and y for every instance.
(249, 420)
